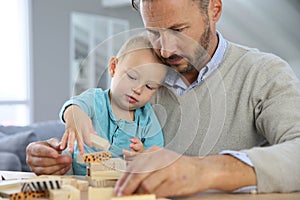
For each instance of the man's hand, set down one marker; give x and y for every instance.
(44, 157)
(168, 174)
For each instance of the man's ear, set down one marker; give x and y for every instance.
(216, 6)
(112, 66)
(215, 10)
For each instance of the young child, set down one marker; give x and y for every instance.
(121, 114)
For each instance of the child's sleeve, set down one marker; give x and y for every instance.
(85, 101)
(66, 152)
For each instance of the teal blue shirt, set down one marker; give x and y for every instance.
(96, 104)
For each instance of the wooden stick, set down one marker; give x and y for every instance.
(99, 142)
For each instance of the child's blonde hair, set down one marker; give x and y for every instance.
(136, 43)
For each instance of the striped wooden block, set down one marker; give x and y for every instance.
(40, 184)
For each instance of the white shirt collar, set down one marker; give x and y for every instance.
(174, 80)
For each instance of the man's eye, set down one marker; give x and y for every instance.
(153, 33)
(178, 29)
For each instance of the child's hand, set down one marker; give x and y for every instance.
(130, 155)
(78, 126)
(136, 145)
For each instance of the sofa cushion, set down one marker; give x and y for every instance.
(43, 130)
(10, 162)
(48, 129)
(16, 143)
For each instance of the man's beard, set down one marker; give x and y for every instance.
(201, 55)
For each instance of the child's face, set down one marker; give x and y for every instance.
(136, 77)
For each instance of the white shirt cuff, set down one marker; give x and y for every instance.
(239, 155)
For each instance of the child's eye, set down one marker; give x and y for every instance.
(131, 76)
(149, 87)
(152, 86)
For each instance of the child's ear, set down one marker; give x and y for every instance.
(112, 66)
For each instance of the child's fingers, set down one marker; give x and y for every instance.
(93, 132)
(86, 136)
(80, 144)
(64, 140)
(87, 139)
(129, 155)
(71, 141)
(135, 140)
(132, 140)
(136, 147)
(132, 146)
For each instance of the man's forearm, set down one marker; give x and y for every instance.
(228, 173)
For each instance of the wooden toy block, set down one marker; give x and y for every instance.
(41, 184)
(98, 182)
(94, 157)
(78, 182)
(100, 193)
(108, 194)
(82, 185)
(136, 197)
(111, 164)
(67, 192)
(29, 195)
(9, 187)
(69, 181)
(99, 142)
(28, 187)
(109, 174)
(97, 166)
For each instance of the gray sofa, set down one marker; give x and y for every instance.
(14, 140)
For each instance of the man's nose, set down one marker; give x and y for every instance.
(165, 45)
(165, 53)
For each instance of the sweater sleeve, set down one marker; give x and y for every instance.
(276, 99)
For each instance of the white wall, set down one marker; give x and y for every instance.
(51, 49)
(270, 25)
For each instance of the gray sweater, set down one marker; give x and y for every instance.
(251, 103)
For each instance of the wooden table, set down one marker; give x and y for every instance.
(16, 175)
(210, 195)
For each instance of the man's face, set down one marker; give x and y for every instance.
(180, 33)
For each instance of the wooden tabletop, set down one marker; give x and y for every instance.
(214, 195)
(16, 175)
(210, 195)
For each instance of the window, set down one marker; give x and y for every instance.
(14, 74)
(91, 49)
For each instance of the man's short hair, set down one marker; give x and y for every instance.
(203, 5)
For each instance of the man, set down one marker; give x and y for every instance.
(237, 100)
(246, 98)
